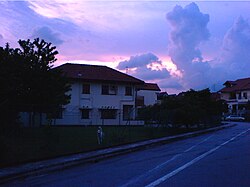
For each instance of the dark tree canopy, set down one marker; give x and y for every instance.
(28, 82)
(188, 108)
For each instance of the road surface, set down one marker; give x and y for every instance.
(221, 158)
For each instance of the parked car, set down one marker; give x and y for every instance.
(234, 118)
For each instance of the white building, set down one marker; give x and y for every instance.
(237, 95)
(100, 96)
(147, 94)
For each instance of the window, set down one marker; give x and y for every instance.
(128, 90)
(108, 114)
(239, 95)
(86, 89)
(232, 95)
(245, 95)
(85, 113)
(112, 90)
(127, 112)
(105, 89)
(109, 90)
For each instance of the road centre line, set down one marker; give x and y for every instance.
(135, 180)
(167, 176)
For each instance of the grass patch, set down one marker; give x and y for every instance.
(32, 144)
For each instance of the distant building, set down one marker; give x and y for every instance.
(215, 96)
(147, 94)
(103, 96)
(237, 95)
(162, 95)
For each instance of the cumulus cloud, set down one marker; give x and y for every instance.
(48, 34)
(235, 54)
(138, 60)
(171, 83)
(193, 76)
(146, 73)
(188, 31)
(145, 66)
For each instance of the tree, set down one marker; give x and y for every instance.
(29, 82)
(188, 108)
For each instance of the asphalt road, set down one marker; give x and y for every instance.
(221, 158)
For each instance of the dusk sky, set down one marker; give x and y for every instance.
(177, 44)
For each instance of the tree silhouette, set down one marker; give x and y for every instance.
(28, 81)
(188, 108)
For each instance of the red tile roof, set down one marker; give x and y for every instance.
(238, 85)
(149, 86)
(215, 96)
(97, 73)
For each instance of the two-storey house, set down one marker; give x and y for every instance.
(100, 96)
(237, 95)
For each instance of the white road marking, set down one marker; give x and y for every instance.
(167, 176)
(135, 180)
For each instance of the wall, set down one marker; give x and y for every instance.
(96, 101)
(150, 96)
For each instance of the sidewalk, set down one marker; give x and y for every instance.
(35, 168)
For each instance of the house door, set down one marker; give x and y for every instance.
(127, 112)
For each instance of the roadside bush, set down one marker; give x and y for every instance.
(191, 108)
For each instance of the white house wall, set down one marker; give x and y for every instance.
(150, 96)
(95, 101)
(237, 101)
(239, 96)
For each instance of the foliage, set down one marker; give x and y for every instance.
(188, 108)
(28, 81)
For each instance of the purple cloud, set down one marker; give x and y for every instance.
(172, 83)
(188, 30)
(145, 73)
(236, 49)
(142, 64)
(139, 60)
(48, 35)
